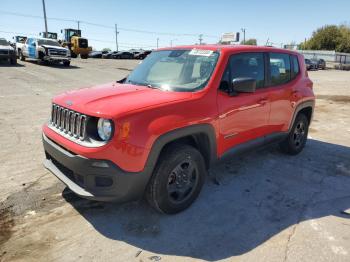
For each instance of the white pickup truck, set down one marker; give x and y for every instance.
(45, 50)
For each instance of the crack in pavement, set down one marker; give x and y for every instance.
(301, 214)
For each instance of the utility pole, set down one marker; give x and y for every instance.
(200, 38)
(78, 24)
(44, 9)
(171, 42)
(267, 42)
(116, 36)
(243, 30)
(157, 42)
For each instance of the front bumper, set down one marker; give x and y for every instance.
(7, 56)
(94, 179)
(56, 58)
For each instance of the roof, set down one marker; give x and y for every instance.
(226, 48)
(42, 38)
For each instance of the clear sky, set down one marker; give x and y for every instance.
(280, 21)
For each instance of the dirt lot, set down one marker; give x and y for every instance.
(263, 206)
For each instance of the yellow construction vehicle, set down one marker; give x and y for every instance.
(77, 45)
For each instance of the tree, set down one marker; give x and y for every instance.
(251, 41)
(329, 37)
(106, 49)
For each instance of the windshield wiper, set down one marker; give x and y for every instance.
(150, 86)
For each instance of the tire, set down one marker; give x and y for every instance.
(83, 56)
(13, 61)
(66, 63)
(22, 58)
(172, 187)
(73, 55)
(297, 137)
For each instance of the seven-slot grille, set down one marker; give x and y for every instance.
(69, 121)
(57, 52)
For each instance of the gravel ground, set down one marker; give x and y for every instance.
(262, 206)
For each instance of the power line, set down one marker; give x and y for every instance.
(109, 27)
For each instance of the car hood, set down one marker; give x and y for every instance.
(115, 100)
(54, 47)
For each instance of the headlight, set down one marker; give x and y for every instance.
(104, 129)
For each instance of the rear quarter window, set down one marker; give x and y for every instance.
(295, 66)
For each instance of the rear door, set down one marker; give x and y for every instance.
(243, 117)
(281, 91)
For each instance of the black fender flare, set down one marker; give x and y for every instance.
(301, 106)
(178, 133)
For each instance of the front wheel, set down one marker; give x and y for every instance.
(297, 137)
(66, 63)
(13, 61)
(177, 180)
(22, 56)
(85, 56)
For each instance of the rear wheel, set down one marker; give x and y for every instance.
(85, 56)
(297, 137)
(177, 180)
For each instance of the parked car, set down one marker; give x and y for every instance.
(142, 55)
(321, 64)
(311, 65)
(95, 54)
(109, 54)
(123, 55)
(45, 50)
(19, 42)
(157, 132)
(7, 52)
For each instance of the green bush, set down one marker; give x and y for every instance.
(329, 37)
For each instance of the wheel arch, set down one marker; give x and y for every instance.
(306, 108)
(200, 136)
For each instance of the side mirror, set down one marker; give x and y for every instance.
(243, 85)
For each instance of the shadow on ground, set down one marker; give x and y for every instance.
(258, 196)
(7, 64)
(54, 65)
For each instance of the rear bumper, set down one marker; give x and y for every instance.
(94, 179)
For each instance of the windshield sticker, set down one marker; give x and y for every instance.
(201, 52)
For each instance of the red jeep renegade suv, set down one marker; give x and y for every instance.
(158, 131)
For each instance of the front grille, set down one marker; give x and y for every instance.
(4, 52)
(69, 121)
(57, 52)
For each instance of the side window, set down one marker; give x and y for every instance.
(280, 70)
(248, 65)
(295, 64)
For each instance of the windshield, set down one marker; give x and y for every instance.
(48, 42)
(175, 70)
(3, 42)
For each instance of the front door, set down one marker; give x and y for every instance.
(243, 117)
(32, 49)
